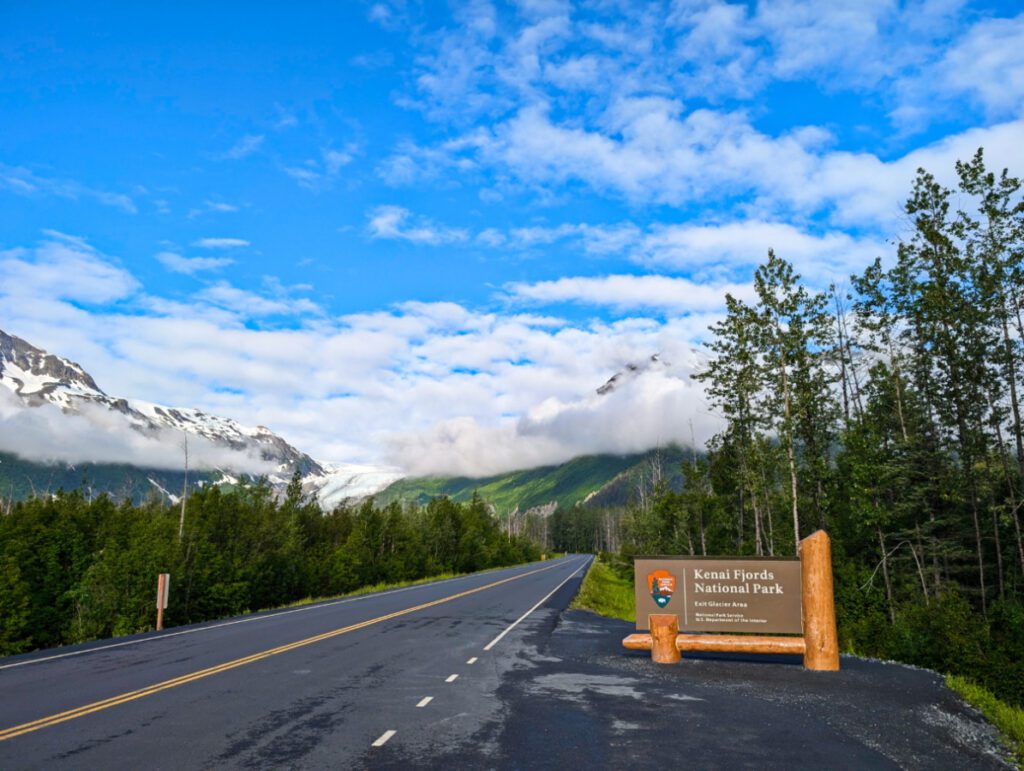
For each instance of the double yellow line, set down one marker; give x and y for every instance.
(113, 701)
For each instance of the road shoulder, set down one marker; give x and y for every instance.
(575, 697)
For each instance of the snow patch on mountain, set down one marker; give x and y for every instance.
(348, 482)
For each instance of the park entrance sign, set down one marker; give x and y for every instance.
(759, 596)
(739, 605)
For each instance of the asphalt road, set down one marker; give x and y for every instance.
(485, 671)
(333, 685)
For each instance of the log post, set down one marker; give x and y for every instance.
(664, 629)
(819, 609)
(161, 584)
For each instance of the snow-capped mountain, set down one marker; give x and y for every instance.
(631, 372)
(40, 378)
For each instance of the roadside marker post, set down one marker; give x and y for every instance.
(163, 585)
(788, 596)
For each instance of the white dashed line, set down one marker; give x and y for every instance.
(425, 701)
(384, 738)
(451, 678)
(472, 660)
(544, 599)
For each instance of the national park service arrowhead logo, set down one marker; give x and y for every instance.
(662, 585)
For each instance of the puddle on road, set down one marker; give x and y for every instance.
(573, 686)
(682, 697)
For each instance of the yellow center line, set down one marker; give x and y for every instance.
(113, 701)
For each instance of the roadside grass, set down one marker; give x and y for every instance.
(606, 593)
(1008, 719)
(370, 589)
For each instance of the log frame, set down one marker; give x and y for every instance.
(819, 644)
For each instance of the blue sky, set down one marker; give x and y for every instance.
(414, 233)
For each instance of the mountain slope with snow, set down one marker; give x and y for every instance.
(35, 384)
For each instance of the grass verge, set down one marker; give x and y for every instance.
(1008, 719)
(606, 593)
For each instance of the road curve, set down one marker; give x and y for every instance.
(325, 685)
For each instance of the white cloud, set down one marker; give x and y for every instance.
(490, 237)
(220, 243)
(244, 147)
(632, 418)
(737, 247)
(340, 388)
(806, 39)
(653, 153)
(707, 252)
(318, 175)
(25, 182)
(396, 222)
(45, 272)
(100, 435)
(986, 64)
(211, 206)
(627, 100)
(253, 305)
(304, 176)
(334, 160)
(191, 265)
(626, 293)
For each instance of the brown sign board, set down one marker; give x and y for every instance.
(721, 594)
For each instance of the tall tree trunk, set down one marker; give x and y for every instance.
(885, 573)
(790, 455)
(977, 540)
(842, 357)
(920, 569)
(1011, 490)
(1011, 377)
(758, 548)
(999, 553)
(184, 495)
(768, 514)
(899, 389)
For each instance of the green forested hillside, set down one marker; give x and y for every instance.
(609, 478)
(21, 479)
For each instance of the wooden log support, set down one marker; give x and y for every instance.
(736, 643)
(664, 630)
(723, 643)
(819, 609)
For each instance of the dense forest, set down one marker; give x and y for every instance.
(74, 569)
(888, 414)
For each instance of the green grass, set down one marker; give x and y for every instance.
(370, 589)
(1008, 719)
(606, 593)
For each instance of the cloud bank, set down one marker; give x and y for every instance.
(47, 435)
(431, 386)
